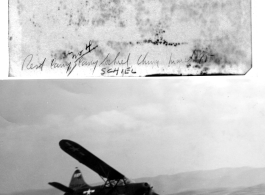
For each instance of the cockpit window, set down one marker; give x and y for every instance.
(121, 182)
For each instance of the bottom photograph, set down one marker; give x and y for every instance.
(132, 137)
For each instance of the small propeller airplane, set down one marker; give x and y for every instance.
(115, 183)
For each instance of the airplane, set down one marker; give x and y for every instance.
(115, 183)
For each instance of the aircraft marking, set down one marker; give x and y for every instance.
(88, 191)
(77, 175)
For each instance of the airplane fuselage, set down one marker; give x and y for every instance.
(127, 189)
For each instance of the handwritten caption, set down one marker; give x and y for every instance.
(117, 65)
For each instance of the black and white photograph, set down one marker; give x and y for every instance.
(132, 137)
(129, 38)
(187, 135)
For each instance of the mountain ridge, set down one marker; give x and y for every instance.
(219, 181)
(218, 178)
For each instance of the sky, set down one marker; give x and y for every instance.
(141, 127)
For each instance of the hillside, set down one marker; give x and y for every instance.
(220, 178)
(225, 181)
(253, 190)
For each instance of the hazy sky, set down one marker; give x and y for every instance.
(139, 127)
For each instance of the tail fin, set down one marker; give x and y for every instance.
(77, 181)
(61, 187)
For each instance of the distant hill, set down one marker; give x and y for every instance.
(213, 179)
(254, 190)
(225, 181)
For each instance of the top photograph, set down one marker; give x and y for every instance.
(129, 38)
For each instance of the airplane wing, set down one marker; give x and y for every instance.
(90, 160)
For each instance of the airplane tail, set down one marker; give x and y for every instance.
(62, 187)
(77, 182)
